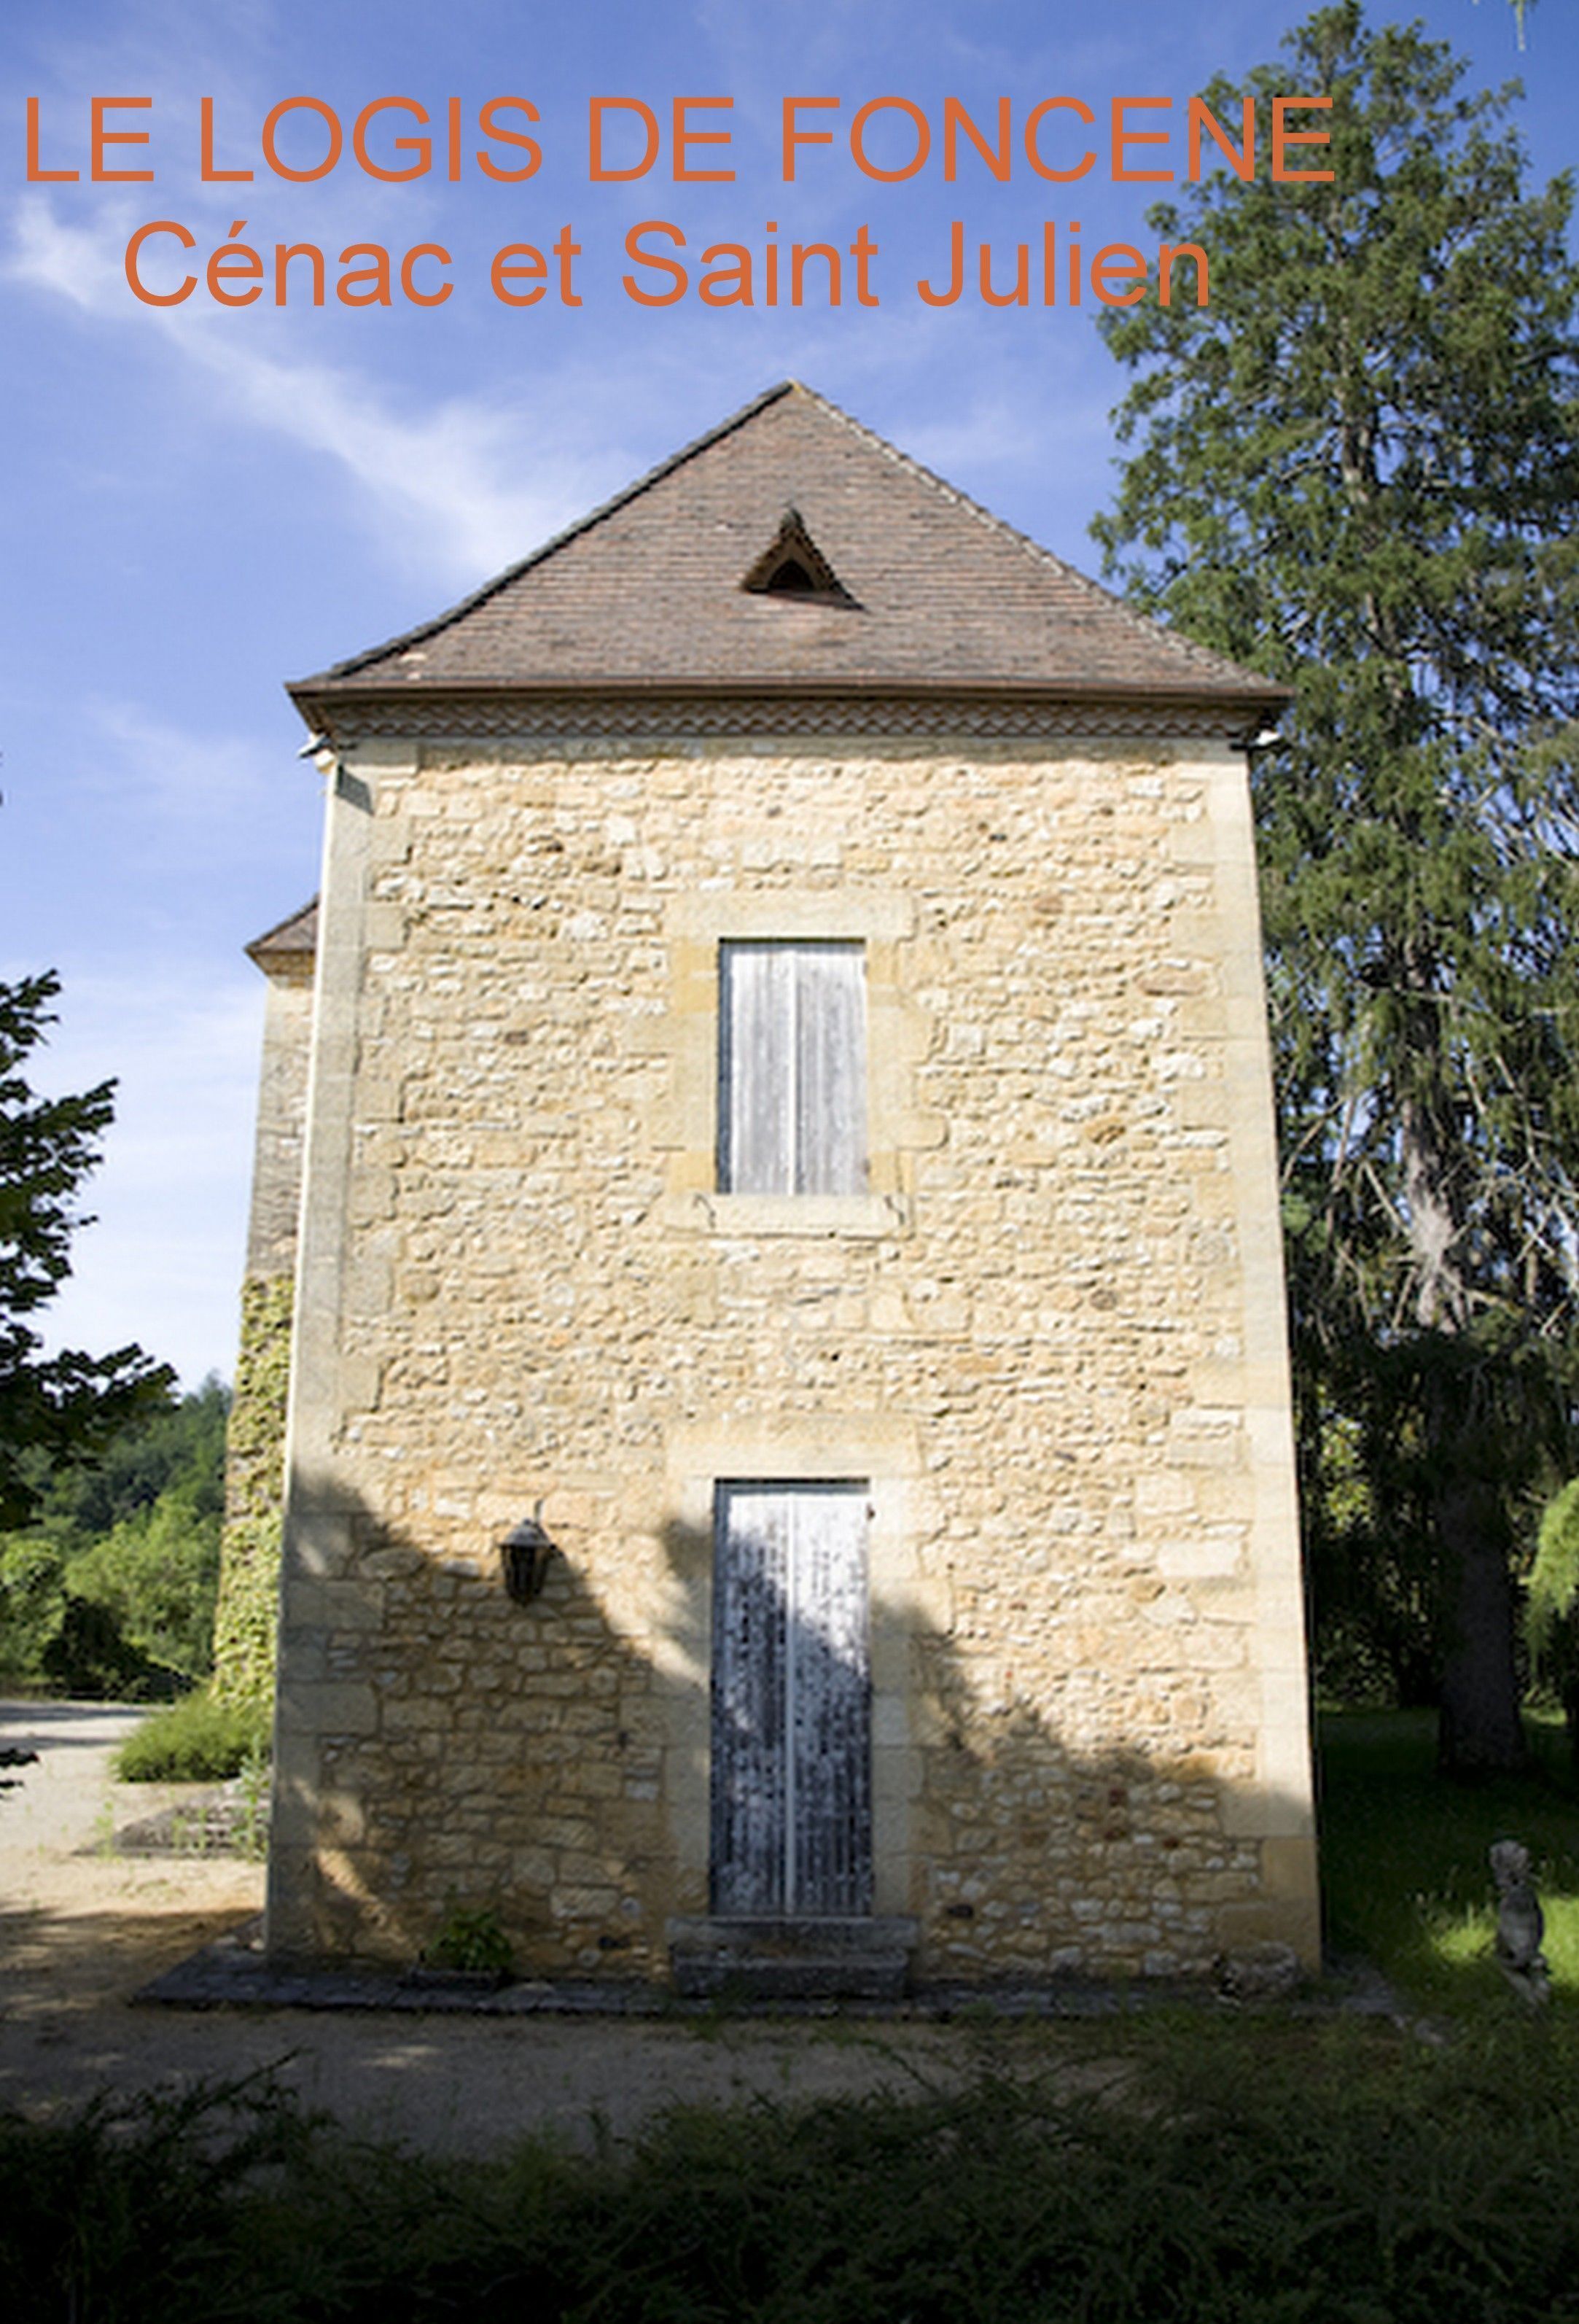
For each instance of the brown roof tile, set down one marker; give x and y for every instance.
(650, 590)
(290, 941)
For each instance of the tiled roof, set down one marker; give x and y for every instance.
(651, 590)
(290, 941)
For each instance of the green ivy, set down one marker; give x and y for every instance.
(248, 1577)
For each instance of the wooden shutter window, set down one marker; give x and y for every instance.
(792, 1068)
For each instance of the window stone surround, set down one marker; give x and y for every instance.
(683, 1125)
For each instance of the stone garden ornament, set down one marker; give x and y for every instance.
(1520, 1922)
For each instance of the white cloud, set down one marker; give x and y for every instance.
(445, 473)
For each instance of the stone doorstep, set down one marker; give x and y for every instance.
(866, 1960)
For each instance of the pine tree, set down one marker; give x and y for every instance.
(69, 1405)
(1357, 471)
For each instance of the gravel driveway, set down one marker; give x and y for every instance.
(83, 1927)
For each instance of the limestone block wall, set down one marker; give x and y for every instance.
(1049, 1338)
(277, 1153)
(246, 1614)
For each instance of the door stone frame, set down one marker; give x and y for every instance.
(814, 1448)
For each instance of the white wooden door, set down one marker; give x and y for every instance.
(792, 1787)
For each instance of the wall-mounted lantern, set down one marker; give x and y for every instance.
(523, 1555)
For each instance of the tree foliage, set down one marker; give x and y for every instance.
(1357, 471)
(71, 1404)
(156, 1570)
(111, 1589)
(106, 1573)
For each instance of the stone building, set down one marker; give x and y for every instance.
(789, 1130)
(245, 1619)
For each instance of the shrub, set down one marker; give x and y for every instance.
(90, 1655)
(472, 1941)
(1200, 2176)
(196, 1741)
(1552, 1606)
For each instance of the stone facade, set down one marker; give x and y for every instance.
(1047, 1339)
(245, 1618)
(1052, 1340)
(246, 1614)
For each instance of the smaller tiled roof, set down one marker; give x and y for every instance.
(664, 588)
(290, 944)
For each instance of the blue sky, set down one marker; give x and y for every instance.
(203, 502)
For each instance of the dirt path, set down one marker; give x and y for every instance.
(83, 1927)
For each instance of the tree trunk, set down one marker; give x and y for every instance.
(1479, 1729)
(1571, 1719)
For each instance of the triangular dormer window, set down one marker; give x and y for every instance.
(793, 567)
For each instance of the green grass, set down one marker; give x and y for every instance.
(1404, 1869)
(196, 1741)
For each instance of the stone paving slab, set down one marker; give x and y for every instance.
(235, 1973)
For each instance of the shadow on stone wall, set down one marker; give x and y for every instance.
(543, 1763)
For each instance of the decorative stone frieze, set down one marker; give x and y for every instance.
(544, 721)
